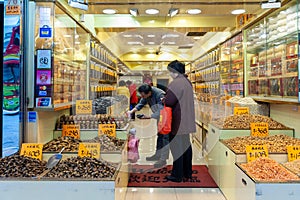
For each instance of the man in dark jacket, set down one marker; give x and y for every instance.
(153, 97)
(180, 98)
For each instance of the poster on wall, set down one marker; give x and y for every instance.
(11, 77)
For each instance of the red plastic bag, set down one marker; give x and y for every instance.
(165, 120)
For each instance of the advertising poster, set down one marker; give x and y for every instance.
(11, 77)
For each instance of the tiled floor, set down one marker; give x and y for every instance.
(147, 134)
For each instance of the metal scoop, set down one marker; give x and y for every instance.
(52, 162)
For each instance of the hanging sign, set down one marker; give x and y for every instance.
(256, 151)
(293, 153)
(91, 150)
(33, 150)
(13, 7)
(241, 110)
(260, 129)
(84, 107)
(71, 130)
(107, 129)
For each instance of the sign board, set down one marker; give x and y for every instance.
(260, 129)
(33, 150)
(13, 7)
(293, 153)
(84, 107)
(240, 110)
(43, 58)
(107, 129)
(71, 130)
(256, 151)
(91, 150)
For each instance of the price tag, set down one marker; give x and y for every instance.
(256, 151)
(293, 152)
(84, 107)
(33, 150)
(240, 110)
(91, 150)
(107, 129)
(260, 129)
(71, 130)
(13, 7)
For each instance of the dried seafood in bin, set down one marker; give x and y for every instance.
(275, 143)
(243, 122)
(83, 167)
(294, 166)
(71, 144)
(268, 170)
(108, 143)
(21, 166)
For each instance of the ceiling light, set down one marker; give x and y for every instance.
(151, 36)
(134, 12)
(151, 42)
(197, 38)
(109, 11)
(152, 11)
(173, 12)
(193, 11)
(238, 11)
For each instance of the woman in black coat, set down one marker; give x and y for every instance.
(180, 98)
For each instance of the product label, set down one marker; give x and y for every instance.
(107, 129)
(84, 107)
(260, 129)
(241, 110)
(293, 153)
(91, 150)
(32, 150)
(71, 130)
(256, 151)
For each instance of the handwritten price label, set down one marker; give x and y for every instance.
(91, 150)
(256, 151)
(260, 129)
(240, 110)
(84, 107)
(71, 131)
(107, 129)
(293, 152)
(33, 150)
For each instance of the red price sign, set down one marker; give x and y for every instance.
(32, 150)
(71, 130)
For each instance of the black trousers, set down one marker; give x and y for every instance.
(182, 153)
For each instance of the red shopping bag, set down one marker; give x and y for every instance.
(165, 120)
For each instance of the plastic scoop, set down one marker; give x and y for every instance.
(52, 162)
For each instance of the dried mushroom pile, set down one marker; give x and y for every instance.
(21, 166)
(71, 144)
(85, 167)
(294, 166)
(266, 169)
(243, 122)
(275, 143)
(108, 143)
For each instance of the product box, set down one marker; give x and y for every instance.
(276, 87)
(290, 86)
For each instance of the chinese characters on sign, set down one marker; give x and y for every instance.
(293, 153)
(71, 130)
(13, 7)
(256, 151)
(33, 150)
(241, 110)
(260, 129)
(91, 150)
(84, 107)
(107, 129)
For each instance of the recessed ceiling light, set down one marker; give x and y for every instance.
(152, 11)
(193, 11)
(197, 38)
(109, 11)
(238, 11)
(151, 42)
(151, 36)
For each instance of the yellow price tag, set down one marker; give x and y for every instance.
(71, 130)
(84, 107)
(240, 110)
(260, 129)
(107, 129)
(256, 151)
(33, 150)
(293, 152)
(91, 150)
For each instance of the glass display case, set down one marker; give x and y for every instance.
(62, 50)
(272, 56)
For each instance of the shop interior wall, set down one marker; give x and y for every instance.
(288, 115)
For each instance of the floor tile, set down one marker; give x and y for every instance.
(151, 193)
(199, 193)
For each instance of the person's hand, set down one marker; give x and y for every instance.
(163, 99)
(128, 113)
